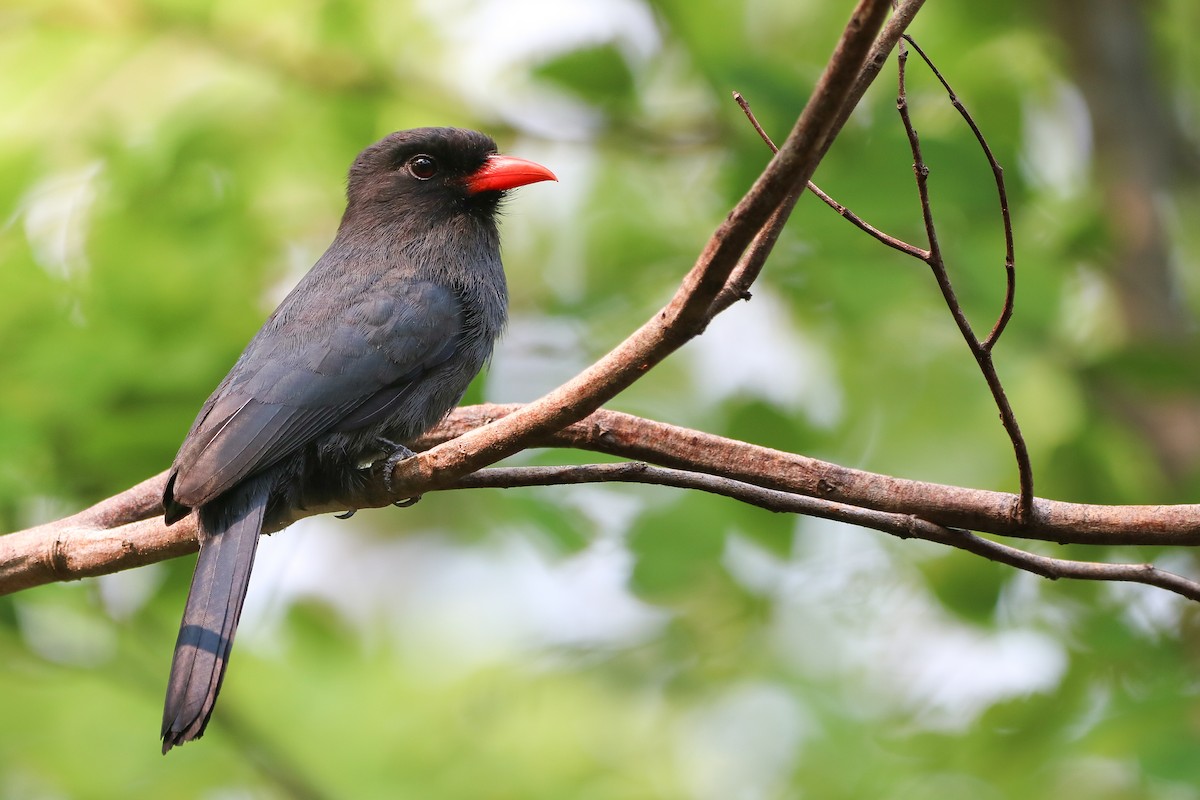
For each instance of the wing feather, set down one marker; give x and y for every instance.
(305, 374)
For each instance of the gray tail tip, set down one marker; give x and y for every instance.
(173, 738)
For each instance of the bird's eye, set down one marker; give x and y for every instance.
(422, 167)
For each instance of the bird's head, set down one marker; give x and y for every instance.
(436, 171)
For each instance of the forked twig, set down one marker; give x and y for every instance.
(934, 258)
(982, 351)
(1010, 271)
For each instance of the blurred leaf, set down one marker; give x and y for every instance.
(598, 75)
(676, 548)
(968, 586)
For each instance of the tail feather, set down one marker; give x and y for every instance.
(229, 529)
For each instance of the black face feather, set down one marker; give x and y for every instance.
(422, 169)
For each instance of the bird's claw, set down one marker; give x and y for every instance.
(350, 512)
(398, 453)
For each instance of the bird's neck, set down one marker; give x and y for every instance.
(461, 252)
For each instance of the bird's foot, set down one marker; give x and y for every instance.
(398, 453)
(350, 512)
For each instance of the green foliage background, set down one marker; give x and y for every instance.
(169, 167)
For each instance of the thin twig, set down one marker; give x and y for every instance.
(843, 211)
(758, 128)
(737, 287)
(903, 526)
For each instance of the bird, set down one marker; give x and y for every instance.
(374, 345)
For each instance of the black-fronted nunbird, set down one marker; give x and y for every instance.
(372, 348)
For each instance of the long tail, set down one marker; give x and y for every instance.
(229, 529)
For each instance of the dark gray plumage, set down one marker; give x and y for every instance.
(374, 345)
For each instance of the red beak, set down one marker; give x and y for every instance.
(506, 172)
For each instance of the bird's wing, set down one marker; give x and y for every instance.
(305, 374)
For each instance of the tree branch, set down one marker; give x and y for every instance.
(640, 439)
(93, 543)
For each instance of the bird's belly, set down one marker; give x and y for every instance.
(411, 412)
